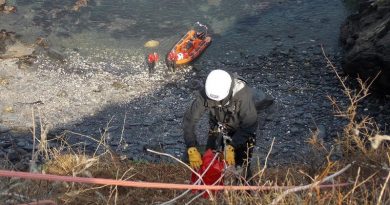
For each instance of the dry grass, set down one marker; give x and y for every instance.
(366, 184)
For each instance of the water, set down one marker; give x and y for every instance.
(237, 26)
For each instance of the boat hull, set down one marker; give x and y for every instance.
(187, 49)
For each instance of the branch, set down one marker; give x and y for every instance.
(301, 188)
(192, 170)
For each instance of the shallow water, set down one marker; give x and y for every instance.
(237, 26)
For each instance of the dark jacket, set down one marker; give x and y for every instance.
(237, 112)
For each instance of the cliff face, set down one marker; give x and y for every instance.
(365, 38)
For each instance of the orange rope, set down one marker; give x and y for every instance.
(140, 184)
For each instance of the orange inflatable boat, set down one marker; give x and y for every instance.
(187, 49)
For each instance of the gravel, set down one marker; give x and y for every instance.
(111, 94)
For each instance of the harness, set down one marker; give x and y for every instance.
(223, 138)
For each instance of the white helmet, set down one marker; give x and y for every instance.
(218, 85)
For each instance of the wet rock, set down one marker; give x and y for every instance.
(17, 50)
(55, 55)
(321, 130)
(4, 128)
(5, 144)
(16, 155)
(21, 166)
(294, 130)
(4, 8)
(365, 37)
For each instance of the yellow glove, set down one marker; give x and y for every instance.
(229, 155)
(194, 158)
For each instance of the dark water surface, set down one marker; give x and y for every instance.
(237, 26)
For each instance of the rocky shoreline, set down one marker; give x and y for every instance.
(365, 39)
(134, 110)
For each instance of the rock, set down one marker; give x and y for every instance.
(4, 129)
(365, 38)
(28, 146)
(17, 50)
(56, 55)
(13, 156)
(4, 8)
(321, 132)
(294, 130)
(262, 100)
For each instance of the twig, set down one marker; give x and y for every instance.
(102, 140)
(197, 196)
(44, 131)
(358, 185)
(197, 182)
(123, 129)
(265, 163)
(192, 170)
(354, 185)
(383, 188)
(337, 74)
(33, 156)
(301, 188)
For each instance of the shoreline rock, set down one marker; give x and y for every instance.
(365, 38)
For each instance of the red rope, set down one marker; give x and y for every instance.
(141, 184)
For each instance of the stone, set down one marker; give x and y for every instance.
(56, 55)
(321, 131)
(4, 129)
(262, 100)
(365, 38)
(17, 50)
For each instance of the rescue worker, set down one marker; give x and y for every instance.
(151, 61)
(189, 45)
(230, 103)
(171, 61)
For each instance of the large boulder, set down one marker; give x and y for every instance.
(365, 38)
(10, 47)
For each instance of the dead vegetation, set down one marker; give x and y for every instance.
(360, 177)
